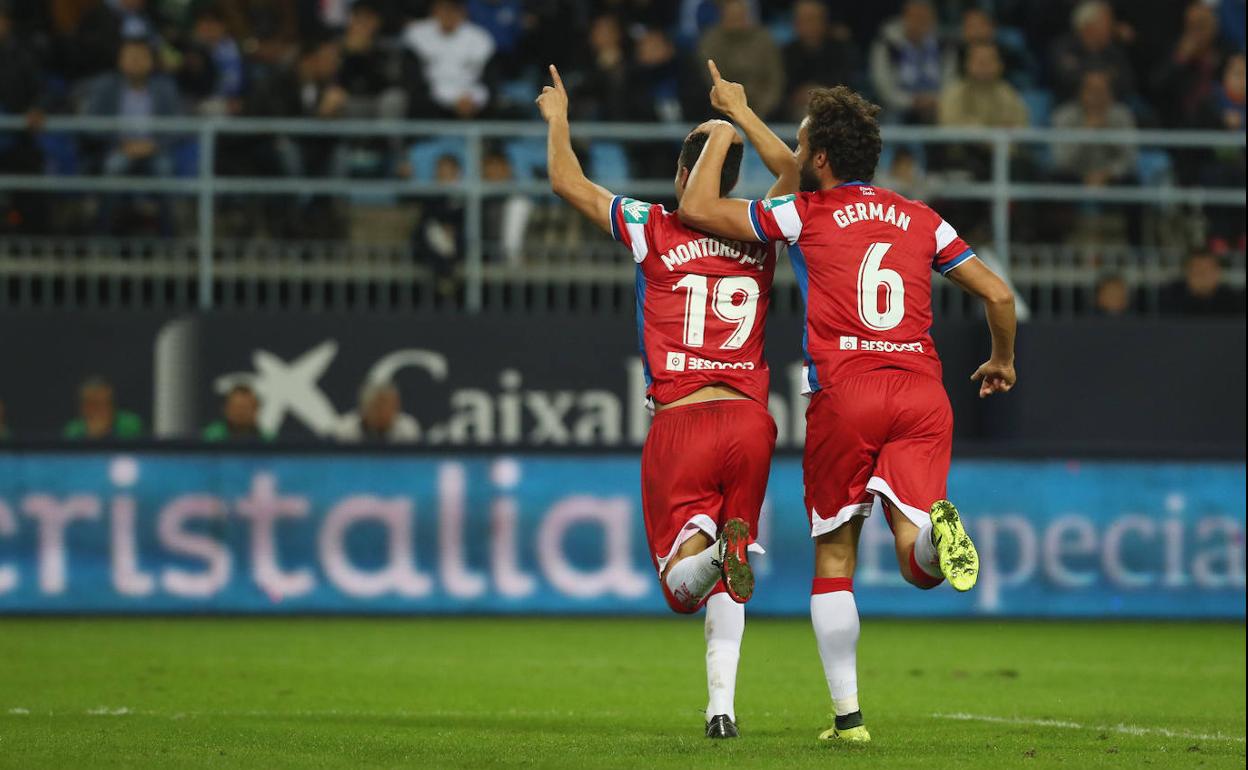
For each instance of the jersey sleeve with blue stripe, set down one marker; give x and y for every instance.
(776, 219)
(951, 250)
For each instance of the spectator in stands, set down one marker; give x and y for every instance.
(820, 54)
(1112, 297)
(363, 72)
(438, 239)
(745, 53)
(1189, 76)
(452, 54)
(137, 93)
(982, 97)
(979, 27)
(380, 418)
(1095, 165)
(20, 91)
(604, 90)
(308, 90)
(103, 29)
(906, 64)
(1201, 291)
(240, 413)
(1223, 167)
(508, 23)
(268, 32)
(98, 415)
(506, 218)
(1223, 106)
(213, 66)
(5, 433)
(656, 75)
(1092, 45)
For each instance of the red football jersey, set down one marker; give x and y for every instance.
(863, 257)
(701, 303)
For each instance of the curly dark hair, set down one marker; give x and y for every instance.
(691, 150)
(843, 124)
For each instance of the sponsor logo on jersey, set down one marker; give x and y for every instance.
(880, 346)
(861, 212)
(771, 203)
(635, 212)
(743, 253)
(680, 362)
(864, 190)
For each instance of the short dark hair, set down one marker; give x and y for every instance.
(843, 124)
(241, 388)
(691, 150)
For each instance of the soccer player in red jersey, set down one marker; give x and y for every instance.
(701, 312)
(879, 425)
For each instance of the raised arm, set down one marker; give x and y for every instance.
(729, 98)
(567, 179)
(997, 374)
(701, 207)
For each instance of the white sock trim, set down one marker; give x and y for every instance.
(845, 705)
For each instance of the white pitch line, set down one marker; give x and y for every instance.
(1123, 729)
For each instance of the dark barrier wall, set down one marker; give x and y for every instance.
(490, 533)
(549, 382)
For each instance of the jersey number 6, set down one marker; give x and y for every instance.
(871, 276)
(724, 304)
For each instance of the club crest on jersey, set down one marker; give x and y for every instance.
(635, 212)
(771, 203)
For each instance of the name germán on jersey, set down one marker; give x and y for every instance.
(863, 256)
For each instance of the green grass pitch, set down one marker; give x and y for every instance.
(317, 692)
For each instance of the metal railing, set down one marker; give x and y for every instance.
(212, 264)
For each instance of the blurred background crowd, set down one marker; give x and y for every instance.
(996, 63)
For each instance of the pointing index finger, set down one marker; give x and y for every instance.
(715, 76)
(554, 75)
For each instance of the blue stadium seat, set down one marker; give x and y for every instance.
(1039, 105)
(185, 155)
(60, 153)
(1153, 166)
(608, 162)
(527, 158)
(754, 173)
(520, 93)
(423, 156)
(781, 31)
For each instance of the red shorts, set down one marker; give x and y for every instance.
(702, 465)
(884, 434)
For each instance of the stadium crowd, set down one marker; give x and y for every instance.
(1095, 64)
(1091, 63)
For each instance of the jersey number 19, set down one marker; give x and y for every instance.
(724, 304)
